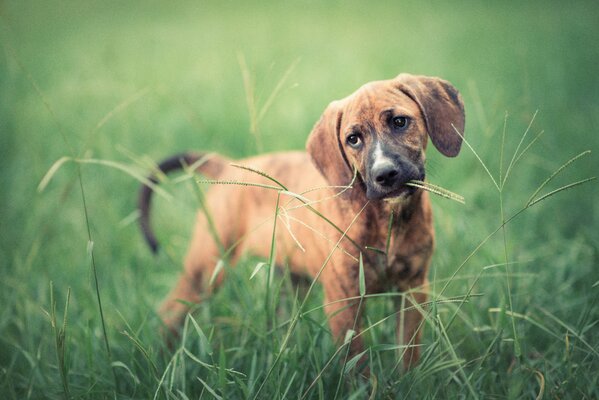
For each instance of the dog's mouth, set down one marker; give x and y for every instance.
(398, 190)
(401, 191)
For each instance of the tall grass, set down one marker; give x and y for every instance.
(513, 299)
(174, 380)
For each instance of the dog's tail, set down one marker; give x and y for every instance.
(209, 165)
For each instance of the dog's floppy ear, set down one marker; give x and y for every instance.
(441, 106)
(325, 148)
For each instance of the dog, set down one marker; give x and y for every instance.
(360, 156)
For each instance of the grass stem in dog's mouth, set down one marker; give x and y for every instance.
(438, 190)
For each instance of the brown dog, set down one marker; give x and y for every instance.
(374, 140)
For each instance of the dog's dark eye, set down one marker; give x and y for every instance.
(354, 140)
(400, 122)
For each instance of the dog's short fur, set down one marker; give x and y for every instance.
(380, 133)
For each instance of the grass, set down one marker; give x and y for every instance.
(110, 87)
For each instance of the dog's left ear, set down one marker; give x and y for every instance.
(325, 148)
(441, 106)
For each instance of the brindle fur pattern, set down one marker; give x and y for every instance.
(388, 155)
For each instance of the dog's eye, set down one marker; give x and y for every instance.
(401, 122)
(354, 140)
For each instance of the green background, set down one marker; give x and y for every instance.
(132, 82)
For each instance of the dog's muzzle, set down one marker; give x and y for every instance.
(387, 180)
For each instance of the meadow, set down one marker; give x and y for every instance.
(93, 93)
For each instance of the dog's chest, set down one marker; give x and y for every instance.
(400, 247)
(376, 273)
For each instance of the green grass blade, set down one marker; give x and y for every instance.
(116, 110)
(94, 270)
(528, 146)
(60, 340)
(239, 183)
(286, 219)
(517, 348)
(295, 195)
(112, 164)
(460, 365)
(261, 173)
(195, 359)
(121, 107)
(204, 342)
(554, 174)
(361, 278)
(572, 331)
(502, 147)
(389, 231)
(477, 157)
(259, 266)
(514, 156)
(553, 192)
(120, 364)
(321, 235)
(160, 383)
(210, 389)
(222, 377)
(126, 169)
(50, 174)
(268, 103)
(351, 364)
(271, 263)
(137, 343)
(429, 187)
(220, 265)
(248, 86)
(284, 396)
(212, 228)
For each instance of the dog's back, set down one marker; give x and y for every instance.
(245, 203)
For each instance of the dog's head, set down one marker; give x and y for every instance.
(382, 130)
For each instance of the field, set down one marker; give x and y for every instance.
(92, 93)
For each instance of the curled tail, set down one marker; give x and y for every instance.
(209, 165)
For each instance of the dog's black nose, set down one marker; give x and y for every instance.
(386, 175)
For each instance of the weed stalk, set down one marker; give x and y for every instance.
(60, 339)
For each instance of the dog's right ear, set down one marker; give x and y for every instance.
(326, 150)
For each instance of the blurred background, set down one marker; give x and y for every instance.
(131, 82)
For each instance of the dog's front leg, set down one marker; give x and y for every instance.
(342, 305)
(413, 281)
(410, 320)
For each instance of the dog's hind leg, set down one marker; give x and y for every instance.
(194, 284)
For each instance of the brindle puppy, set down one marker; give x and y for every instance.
(373, 140)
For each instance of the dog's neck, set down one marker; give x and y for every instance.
(400, 211)
(403, 209)
(406, 216)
